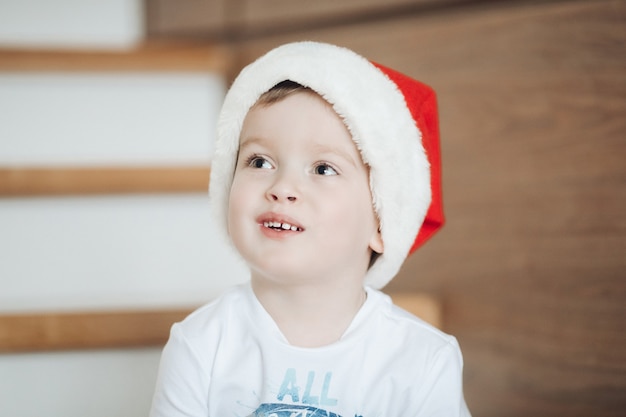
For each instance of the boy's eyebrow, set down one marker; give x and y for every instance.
(318, 148)
(250, 141)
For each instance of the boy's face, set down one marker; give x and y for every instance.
(300, 206)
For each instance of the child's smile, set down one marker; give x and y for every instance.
(277, 226)
(300, 203)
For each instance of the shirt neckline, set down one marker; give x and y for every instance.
(266, 327)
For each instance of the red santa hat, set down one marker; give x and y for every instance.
(394, 124)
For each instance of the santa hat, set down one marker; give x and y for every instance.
(393, 122)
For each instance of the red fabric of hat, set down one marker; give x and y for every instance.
(422, 103)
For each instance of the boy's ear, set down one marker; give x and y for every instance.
(376, 242)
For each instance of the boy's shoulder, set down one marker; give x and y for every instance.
(215, 315)
(400, 324)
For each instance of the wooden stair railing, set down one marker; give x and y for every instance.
(149, 57)
(40, 181)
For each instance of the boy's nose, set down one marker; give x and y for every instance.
(282, 191)
(277, 197)
(281, 195)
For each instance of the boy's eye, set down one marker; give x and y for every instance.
(259, 162)
(325, 169)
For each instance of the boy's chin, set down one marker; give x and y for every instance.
(280, 278)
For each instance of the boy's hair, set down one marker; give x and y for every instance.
(392, 120)
(280, 91)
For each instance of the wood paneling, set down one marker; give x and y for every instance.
(238, 19)
(102, 180)
(123, 329)
(255, 15)
(531, 265)
(185, 17)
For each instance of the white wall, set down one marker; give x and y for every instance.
(100, 252)
(93, 24)
(107, 118)
(116, 383)
(110, 252)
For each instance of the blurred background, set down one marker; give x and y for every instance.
(107, 114)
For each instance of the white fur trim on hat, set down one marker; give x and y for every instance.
(376, 114)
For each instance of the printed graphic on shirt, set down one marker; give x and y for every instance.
(316, 394)
(286, 410)
(291, 388)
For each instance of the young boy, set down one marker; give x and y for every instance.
(326, 175)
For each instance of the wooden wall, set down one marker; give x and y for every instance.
(532, 262)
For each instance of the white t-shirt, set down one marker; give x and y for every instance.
(229, 359)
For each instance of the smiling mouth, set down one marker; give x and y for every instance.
(281, 226)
